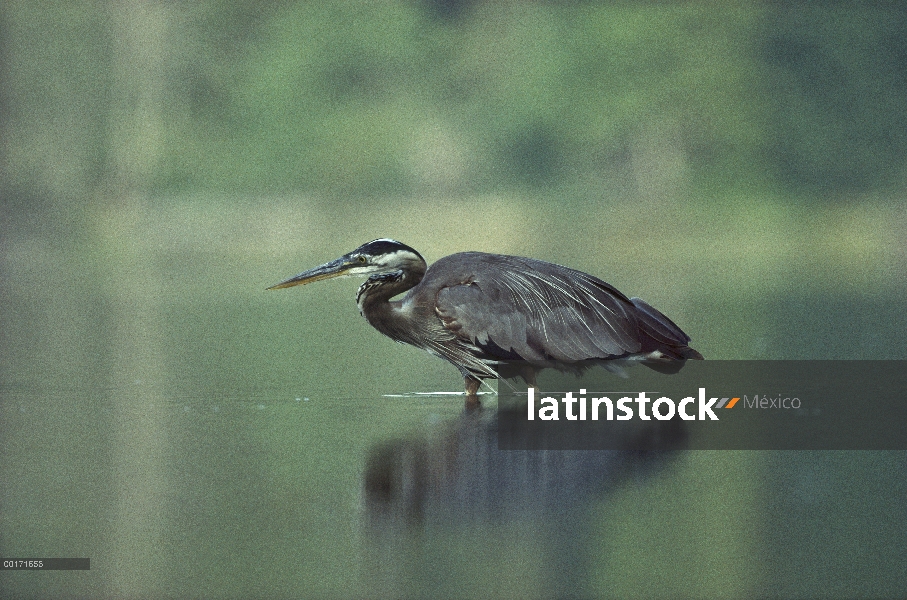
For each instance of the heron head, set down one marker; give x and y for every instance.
(377, 256)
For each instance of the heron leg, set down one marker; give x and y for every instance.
(472, 388)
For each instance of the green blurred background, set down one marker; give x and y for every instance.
(742, 166)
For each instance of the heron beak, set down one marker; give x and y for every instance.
(335, 268)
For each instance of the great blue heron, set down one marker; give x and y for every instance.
(486, 312)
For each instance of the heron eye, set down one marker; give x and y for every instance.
(361, 259)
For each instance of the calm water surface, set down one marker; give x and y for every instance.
(281, 494)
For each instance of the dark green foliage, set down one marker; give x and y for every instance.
(395, 99)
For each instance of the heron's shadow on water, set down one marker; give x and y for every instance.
(457, 484)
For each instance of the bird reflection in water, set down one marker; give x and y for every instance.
(424, 499)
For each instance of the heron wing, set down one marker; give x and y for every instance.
(514, 308)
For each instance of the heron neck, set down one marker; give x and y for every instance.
(376, 307)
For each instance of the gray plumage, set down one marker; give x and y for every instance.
(485, 312)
